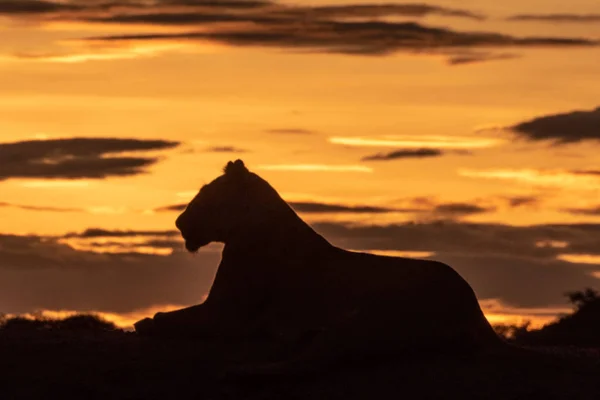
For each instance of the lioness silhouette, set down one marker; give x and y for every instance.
(278, 278)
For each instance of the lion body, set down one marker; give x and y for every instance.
(389, 304)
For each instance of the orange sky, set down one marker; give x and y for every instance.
(325, 119)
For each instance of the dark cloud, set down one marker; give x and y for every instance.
(173, 207)
(382, 10)
(234, 4)
(97, 233)
(424, 207)
(347, 29)
(556, 17)
(169, 18)
(16, 7)
(500, 261)
(118, 11)
(290, 131)
(308, 207)
(76, 158)
(197, 12)
(405, 153)
(222, 12)
(226, 149)
(40, 208)
(588, 172)
(41, 273)
(522, 201)
(479, 57)
(460, 209)
(567, 127)
(592, 212)
(364, 38)
(317, 208)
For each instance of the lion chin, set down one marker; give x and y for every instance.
(194, 245)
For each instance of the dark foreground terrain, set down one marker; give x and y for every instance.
(111, 364)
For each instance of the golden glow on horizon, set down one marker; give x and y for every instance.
(121, 320)
(126, 320)
(415, 141)
(498, 313)
(398, 253)
(536, 321)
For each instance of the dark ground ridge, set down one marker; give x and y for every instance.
(87, 359)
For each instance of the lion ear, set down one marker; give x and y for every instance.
(236, 167)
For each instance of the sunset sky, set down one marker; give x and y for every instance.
(463, 131)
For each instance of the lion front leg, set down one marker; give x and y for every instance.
(195, 321)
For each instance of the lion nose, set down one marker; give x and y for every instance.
(179, 222)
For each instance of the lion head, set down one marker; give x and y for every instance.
(236, 199)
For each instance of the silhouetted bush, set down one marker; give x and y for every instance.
(583, 298)
(76, 323)
(86, 323)
(512, 332)
(20, 323)
(581, 328)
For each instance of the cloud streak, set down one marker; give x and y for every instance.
(29, 7)
(556, 18)
(478, 57)
(318, 208)
(523, 201)
(384, 10)
(290, 131)
(99, 53)
(592, 212)
(77, 158)
(460, 209)
(581, 258)
(418, 142)
(425, 209)
(575, 179)
(98, 233)
(40, 208)
(309, 207)
(171, 208)
(225, 149)
(402, 154)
